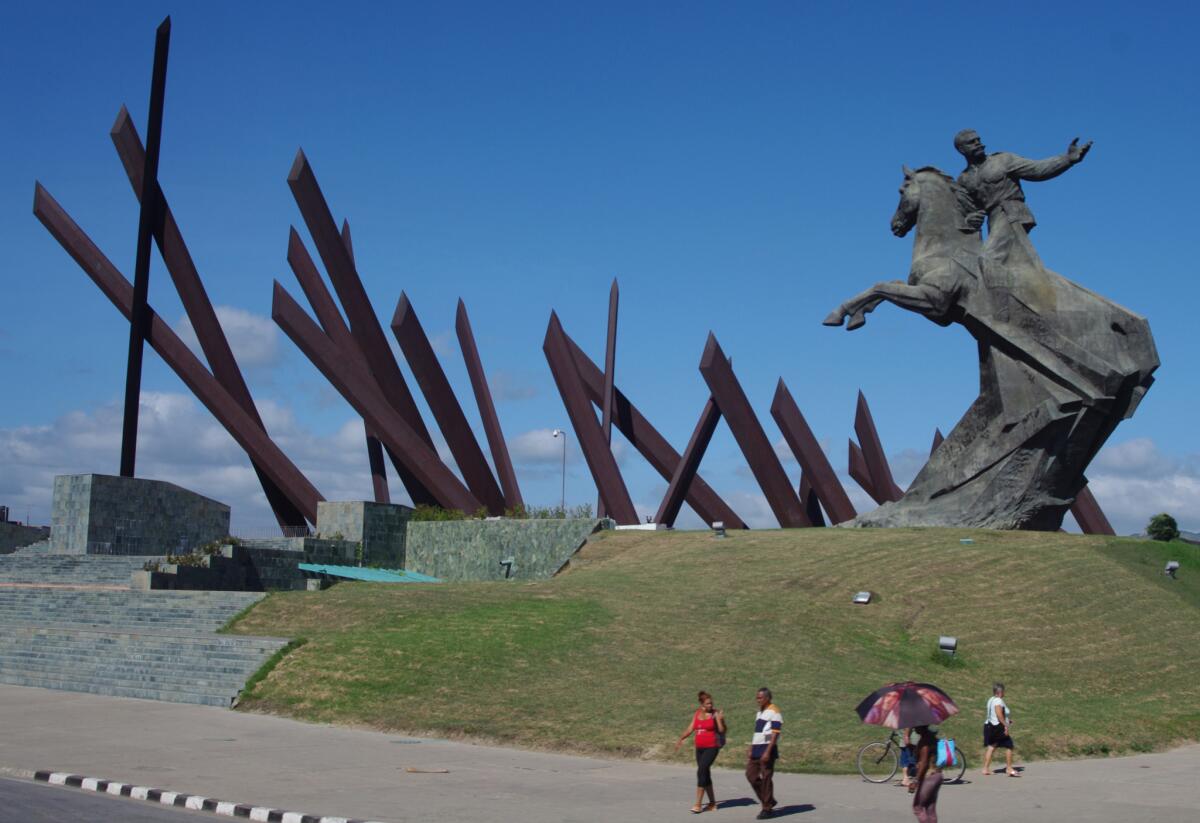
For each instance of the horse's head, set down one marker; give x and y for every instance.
(933, 196)
(910, 203)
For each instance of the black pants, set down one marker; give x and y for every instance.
(704, 761)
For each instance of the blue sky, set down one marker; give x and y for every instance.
(733, 165)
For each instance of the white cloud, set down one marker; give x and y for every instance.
(1134, 480)
(753, 508)
(540, 446)
(253, 337)
(784, 452)
(179, 442)
(1139, 458)
(861, 501)
(507, 386)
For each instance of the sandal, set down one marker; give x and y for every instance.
(696, 809)
(711, 807)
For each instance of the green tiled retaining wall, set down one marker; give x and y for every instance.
(380, 527)
(103, 514)
(474, 549)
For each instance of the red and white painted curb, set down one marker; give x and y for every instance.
(185, 801)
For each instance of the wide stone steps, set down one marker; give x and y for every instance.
(161, 676)
(70, 568)
(40, 547)
(206, 697)
(66, 623)
(176, 678)
(231, 649)
(27, 611)
(133, 663)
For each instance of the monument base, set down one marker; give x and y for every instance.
(104, 514)
(381, 528)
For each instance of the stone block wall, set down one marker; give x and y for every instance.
(253, 565)
(380, 527)
(480, 549)
(274, 564)
(103, 514)
(14, 536)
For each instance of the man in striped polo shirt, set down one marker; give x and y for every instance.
(764, 750)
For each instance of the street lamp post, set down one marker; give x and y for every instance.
(563, 501)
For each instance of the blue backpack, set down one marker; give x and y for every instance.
(945, 753)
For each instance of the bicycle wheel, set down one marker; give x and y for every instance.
(954, 774)
(877, 762)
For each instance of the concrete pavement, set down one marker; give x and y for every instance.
(327, 770)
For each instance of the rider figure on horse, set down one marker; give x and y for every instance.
(994, 182)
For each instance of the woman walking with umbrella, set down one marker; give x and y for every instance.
(929, 777)
(915, 705)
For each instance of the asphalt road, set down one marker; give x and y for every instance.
(22, 801)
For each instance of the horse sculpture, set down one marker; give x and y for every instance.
(1059, 367)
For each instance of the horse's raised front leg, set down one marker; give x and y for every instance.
(857, 307)
(914, 298)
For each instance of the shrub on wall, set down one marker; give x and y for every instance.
(436, 513)
(426, 513)
(582, 511)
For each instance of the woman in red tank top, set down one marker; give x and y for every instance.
(709, 726)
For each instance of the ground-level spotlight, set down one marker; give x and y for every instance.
(862, 598)
(948, 644)
(1172, 569)
(718, 528)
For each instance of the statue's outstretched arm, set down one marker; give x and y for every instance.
(1051, 167)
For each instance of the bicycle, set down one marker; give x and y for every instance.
(879, 760)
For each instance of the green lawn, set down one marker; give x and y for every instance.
(1098, 649)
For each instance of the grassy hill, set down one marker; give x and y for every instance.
(1098, 649)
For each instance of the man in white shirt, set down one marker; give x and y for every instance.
(995, 732)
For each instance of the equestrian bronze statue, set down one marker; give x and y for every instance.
(1059, 366)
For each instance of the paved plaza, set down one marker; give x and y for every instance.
(355, 773)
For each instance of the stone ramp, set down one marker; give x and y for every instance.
(71, 622)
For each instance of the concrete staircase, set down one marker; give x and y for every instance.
(72, 622)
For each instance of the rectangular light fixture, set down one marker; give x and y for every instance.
(718, 528)
(862, 598)
(948, 644)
